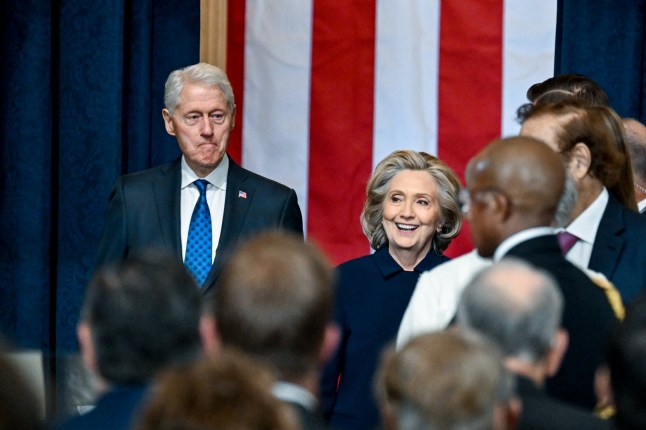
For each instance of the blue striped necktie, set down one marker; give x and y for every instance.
(199, 242)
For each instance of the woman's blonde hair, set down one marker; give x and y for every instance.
(448, 186)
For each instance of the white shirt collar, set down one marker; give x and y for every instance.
(288, 392)
(217, 178)
(641, 205)
(520, 237)
(585, 226)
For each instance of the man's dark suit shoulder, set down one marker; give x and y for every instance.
(115, 410)
(539, 412)
(144, 211)
(618, 251)
(587, 316)
(255, 177)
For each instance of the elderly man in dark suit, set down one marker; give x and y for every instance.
(513, 188)
(203, 204)
(605, 234)
(520, 308)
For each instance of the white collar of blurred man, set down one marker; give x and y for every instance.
(212, 343)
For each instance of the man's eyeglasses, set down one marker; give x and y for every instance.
(215, 118)
(465, 196)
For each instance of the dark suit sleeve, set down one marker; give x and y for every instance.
(112, 247)
(291, 217)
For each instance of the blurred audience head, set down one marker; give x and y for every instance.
(227, 391)
(519, 307)
(274, 302)
(445, 380)
(138, 317)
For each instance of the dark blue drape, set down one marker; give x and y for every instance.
(606, 40)
(82, 92)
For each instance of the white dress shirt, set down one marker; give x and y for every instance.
(292, 393)
(585, 227)
(641, 206)
(215, 195)
(435, 299)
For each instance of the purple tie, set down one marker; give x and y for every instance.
(566, 241)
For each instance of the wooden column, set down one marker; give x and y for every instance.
(213, 32)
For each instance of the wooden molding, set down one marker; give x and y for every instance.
(213, 32)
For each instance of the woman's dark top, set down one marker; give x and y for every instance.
(372, 294)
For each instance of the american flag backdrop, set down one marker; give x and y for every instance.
(326, 88)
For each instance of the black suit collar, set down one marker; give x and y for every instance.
(167, 191)
(609, 241)
(537, 246)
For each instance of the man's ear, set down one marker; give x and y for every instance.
(556, 352)
(580, 161)
(500, 205)
(209, 334)
(168, 122)
(330, 343)
(233, 117)
(88, 354)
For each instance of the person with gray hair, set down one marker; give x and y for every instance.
(446, 380)
(636, 144)
(203, 204)
(520, 308)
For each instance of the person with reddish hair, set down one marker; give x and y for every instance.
(605, 230)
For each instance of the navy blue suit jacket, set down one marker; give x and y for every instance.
(144, 212)
(619, 249)
(114, 411)
(540, 412)
(373, 293)
(587, 316)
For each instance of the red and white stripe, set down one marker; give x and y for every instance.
(327, 88)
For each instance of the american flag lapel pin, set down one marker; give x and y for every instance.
(242, 194)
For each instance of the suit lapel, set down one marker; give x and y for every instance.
(166, 193)
(236, 206)
(538, 249)
(609, 241)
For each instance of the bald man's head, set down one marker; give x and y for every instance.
(514, 184)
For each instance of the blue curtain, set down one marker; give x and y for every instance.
(82, 91)
(606, 40)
